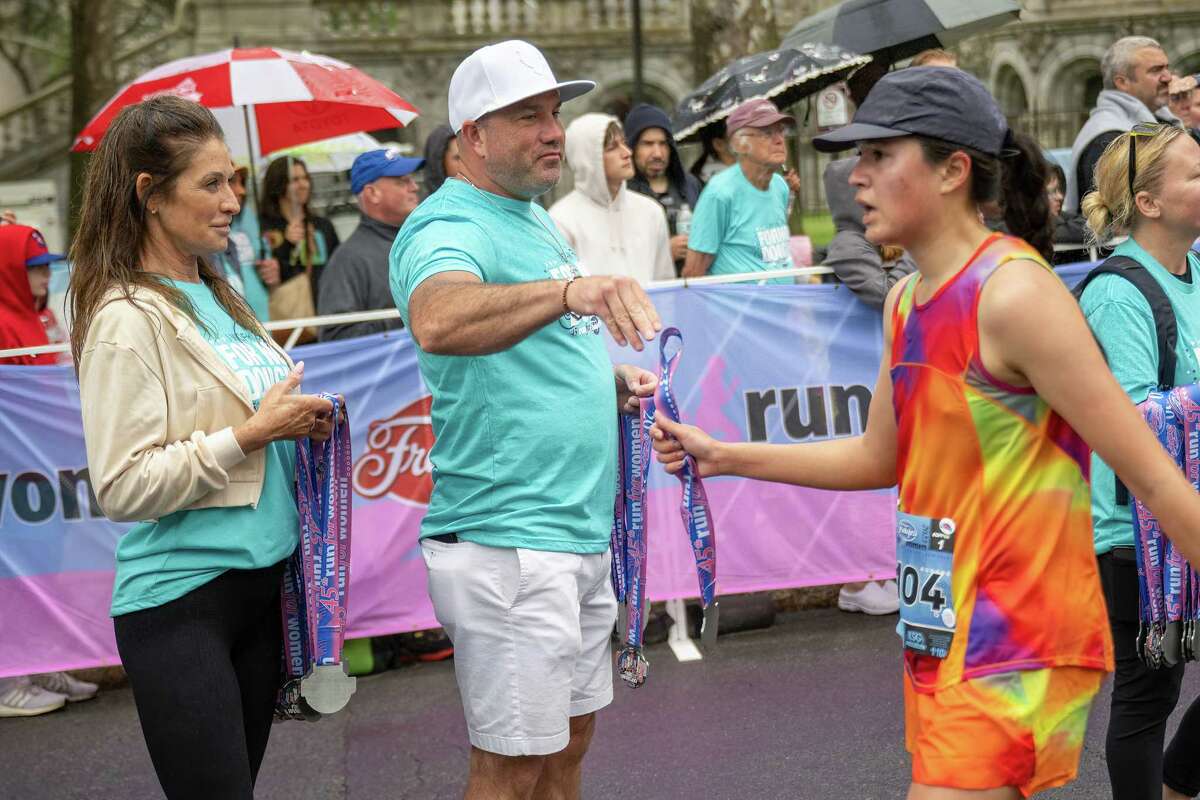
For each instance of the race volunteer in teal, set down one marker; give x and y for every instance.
(189, 415)
(508, 328)
(740, 224)
(1156, 202)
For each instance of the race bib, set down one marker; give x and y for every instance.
(925, 556)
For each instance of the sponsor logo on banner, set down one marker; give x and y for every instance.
(186, 89)
(396, 463)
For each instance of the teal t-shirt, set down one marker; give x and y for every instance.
(1121, 319)
(163, 559)
(744, 227)
(525, 450)
(247, 281)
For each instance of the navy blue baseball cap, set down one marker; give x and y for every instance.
(939, 102)
(383, 163)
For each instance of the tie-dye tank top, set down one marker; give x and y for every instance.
(1013, 477)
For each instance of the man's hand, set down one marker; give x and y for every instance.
(620, 303)
(793, 181)
(268, 271)
(679, 246)
(633, 383)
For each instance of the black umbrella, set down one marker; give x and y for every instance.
(785, 76)
(896, 29)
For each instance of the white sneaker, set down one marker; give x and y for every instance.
(873, 598)
(73, 689)
(19, 697)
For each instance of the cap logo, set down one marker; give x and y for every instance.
(391, 153)
(535, 68)
(37, 237)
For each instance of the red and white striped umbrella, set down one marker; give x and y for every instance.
(293, 98)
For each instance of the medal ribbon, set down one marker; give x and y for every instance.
(694, 507)
(629, 538)
(316, 577)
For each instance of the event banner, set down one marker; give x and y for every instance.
(784, 364)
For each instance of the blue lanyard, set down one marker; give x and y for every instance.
(316, 578)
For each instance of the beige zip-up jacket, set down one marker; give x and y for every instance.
(159, 408)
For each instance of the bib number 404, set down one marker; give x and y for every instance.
(914, 589)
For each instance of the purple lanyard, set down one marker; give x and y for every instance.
(694, 507)
(316, 578)
(1149, 542)
(629, 539)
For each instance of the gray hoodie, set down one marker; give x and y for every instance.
(854, 260)
(622, 235)
(1114, 111)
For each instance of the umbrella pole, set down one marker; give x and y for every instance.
(253, 171)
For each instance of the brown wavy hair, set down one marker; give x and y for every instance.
(159, 137)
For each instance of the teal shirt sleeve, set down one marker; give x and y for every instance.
(709, 221)
(442, 245)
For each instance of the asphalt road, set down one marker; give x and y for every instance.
(808, 709)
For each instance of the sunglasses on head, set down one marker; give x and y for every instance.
(1141, 129)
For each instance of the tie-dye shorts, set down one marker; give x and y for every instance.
(1022, 729)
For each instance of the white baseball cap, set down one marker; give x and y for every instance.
(502, 74)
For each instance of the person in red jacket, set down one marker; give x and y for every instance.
(24, 283)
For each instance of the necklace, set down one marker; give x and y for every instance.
(554, 241)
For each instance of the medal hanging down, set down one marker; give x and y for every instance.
(1168, 587)
(694, 507)
(316, 579)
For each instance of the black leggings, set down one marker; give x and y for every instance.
(205, 669)
(1142, 700)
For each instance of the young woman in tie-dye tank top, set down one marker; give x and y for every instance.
(990, 393)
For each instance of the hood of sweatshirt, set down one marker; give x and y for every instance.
(644, 116)
(20, 325)
(585, 157)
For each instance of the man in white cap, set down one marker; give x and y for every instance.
(507, 324)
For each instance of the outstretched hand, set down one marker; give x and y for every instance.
(674, 441)
(621, 304)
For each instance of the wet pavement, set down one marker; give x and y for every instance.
(808, 709)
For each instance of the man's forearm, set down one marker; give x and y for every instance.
(697, 263)
(470, 318)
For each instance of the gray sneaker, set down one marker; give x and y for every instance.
(73, 689)
(19, 697)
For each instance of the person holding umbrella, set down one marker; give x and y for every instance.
(985, 423)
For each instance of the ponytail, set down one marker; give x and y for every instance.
(1023, 195)
(1017, 182)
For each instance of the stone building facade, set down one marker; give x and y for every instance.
(1044, 69)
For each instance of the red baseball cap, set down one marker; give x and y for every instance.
(36, 250)
(756, 113)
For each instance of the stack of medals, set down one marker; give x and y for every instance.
(629, 539)
(693, 507)
(629, 520)
(1169, 588)
(316, 579)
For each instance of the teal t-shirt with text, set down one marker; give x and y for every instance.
(744, 227)
(525, 438)
(163, 559)
(1122, 321)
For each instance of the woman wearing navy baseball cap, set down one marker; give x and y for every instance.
(986, 404)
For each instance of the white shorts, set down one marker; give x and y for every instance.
(532, 639)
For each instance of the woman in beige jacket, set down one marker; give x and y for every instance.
(190, 413)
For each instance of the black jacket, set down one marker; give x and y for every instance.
(645, 116)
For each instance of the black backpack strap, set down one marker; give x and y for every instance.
(1165, 327)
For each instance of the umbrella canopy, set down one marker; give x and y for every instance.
(785, 75)
(293, 98)
(896, 29)
(331, 155)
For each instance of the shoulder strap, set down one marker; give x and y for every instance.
(1160, 306)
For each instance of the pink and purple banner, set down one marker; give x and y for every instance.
(763, 363)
